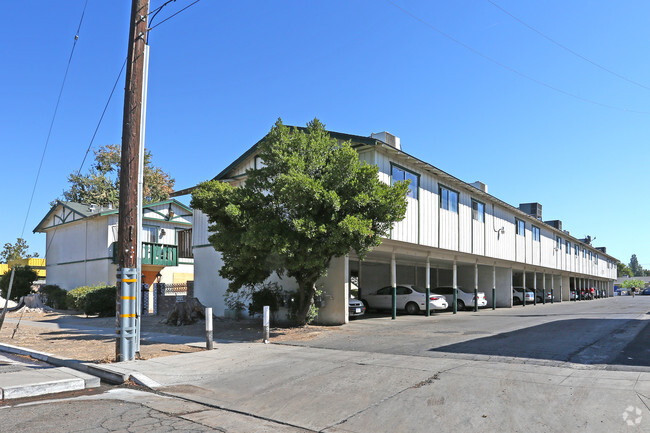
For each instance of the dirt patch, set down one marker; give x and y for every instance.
(63, 333)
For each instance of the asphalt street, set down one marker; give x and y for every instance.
(569, 367)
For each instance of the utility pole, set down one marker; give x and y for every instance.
(128, 229)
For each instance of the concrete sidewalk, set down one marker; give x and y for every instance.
(344, 391)
(19, 379)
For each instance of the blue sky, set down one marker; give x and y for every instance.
(571, 136)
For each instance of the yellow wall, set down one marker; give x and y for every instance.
(37, 264)
(4, 268)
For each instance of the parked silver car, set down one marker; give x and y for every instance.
(517, 296)
(356, 308)
(409, 298)
(464, 297)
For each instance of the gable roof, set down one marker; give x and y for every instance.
(87, 211)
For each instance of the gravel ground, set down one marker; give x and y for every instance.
(101, 349)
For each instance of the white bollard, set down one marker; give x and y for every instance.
(265, 324)
(209, 342)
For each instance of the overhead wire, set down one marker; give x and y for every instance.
(174, 14)
(511, 69)
(56, 108)
(564, 47)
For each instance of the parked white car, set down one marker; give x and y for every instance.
(464, 297)
(355, 307)
(517, 297)
(409, 298)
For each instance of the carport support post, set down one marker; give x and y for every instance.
(523, 295)
(543, 287)
(209, 342)
(393, 283)
(534, 287)
(455, 286)
(475, 286)
(494, 287)
(552, 285)
(428, 286)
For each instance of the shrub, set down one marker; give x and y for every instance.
(54, 296)
(76, 298)
(22, 285)
(98, 299)
(101, 301)
(267, 294)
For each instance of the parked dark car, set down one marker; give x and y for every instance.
(645, 291)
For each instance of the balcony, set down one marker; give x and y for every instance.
(155, 254)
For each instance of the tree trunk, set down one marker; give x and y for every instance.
(185, 313)
(306, 293)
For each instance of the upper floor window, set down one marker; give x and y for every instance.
(149, 234)
(521, 227)
(399, 174)
(448, 199)
(536, 233)
(478, 211)
(590, 256)
(584, 253)
(596, 258)
(577, 250)
(568, 247)
(558, 243)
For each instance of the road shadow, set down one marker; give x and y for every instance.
(585, 341)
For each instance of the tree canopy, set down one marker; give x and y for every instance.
(15, 251)
(635, 267)
(311, 200)
(101, 185)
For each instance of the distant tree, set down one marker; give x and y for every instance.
(313, 200)
(18, 250)
(628, 284)
(635, 267)
(623, 270)
(22, 285)
(101, 185)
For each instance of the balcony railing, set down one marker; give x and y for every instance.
(155, 254)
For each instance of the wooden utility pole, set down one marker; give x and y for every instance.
(128, 228)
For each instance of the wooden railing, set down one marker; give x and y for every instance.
(155, 254)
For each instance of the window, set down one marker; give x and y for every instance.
(448, 199)
(536, 233)
(399, 174)
(584, 253)
(150, 234)
(577, 251)
(558, 243)
(478, 211)
(568, 247)
(589, 255)
(596, 258)
(521, 227)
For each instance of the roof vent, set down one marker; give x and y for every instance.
(480, 185)
(110, 206)
(555, 223)
(532, 209)
(602, 249)
(92, 207)
(388, 138)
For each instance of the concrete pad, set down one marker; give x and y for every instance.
(33, 383)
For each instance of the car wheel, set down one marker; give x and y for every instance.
(460, 305)
(539, 300)
(516, 301)
(412, 308)
(365, 303)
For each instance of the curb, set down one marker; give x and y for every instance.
(96, 371)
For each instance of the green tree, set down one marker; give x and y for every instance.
(18, 250)
(635, 267)
(22, 285)
(628, 284)
(101, 185)
(311, 201)
(623, 270)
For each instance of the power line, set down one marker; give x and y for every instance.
(102, 116)
(56, 108)
(564, 47)
(173, 15)
(513, 70)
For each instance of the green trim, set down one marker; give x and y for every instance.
(180, 216)
(80, 261)
(201, 246)
(159, 220)
(157, 212)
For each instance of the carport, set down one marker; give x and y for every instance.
(392, 265)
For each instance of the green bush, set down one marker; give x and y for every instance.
(101, 302)
(266, 294)
(76, 298)
(22, 285)
(99, 299)
(54, 296)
